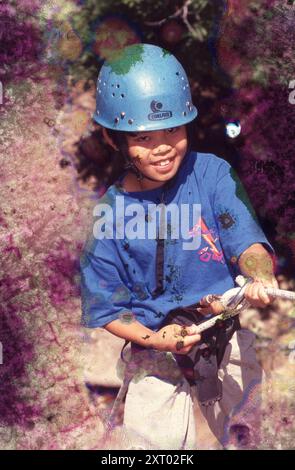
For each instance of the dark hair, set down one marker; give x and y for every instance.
(119, 139)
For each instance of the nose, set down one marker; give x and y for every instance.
(161, 150)
(162, 146)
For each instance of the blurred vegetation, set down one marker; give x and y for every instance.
(196, 25)
(189, 30)
(239, 59)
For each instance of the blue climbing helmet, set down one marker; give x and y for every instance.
(143, 88)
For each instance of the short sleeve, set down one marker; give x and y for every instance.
(237, 222)
(104, 294)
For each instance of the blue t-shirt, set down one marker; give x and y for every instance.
(118, 275)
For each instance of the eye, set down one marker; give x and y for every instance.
(172, 130)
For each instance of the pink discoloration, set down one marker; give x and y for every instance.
(260, 75)
(43, 401)
(63, 267)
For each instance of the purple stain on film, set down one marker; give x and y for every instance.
(21, 41)
(241, 434)
(62, 267)
(16, 408)
(38, 287)
(260, 68)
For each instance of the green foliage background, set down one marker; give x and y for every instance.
(202, 16)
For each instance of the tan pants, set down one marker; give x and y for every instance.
(159, 411)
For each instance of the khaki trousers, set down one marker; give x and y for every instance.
(159, 411)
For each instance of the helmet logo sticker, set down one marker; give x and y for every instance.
(157, 114)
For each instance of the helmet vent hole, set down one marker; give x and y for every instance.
(122, 95)
(184, 113)
(122, 115)
(130, 121)
(113, 94)
(118, 86)
(116, 120)
(177, 73)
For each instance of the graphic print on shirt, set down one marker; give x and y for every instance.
(209, 252)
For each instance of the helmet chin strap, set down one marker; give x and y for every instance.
(139, 175)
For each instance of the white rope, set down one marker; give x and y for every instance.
(283, 294)
(234, 302)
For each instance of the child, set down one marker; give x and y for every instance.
(131, 279)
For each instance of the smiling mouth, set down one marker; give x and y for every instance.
(163, 163)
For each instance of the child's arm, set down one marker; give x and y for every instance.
(257, 263)
(166, 339)
(254, 262)
(240, 235)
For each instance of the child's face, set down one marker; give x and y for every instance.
(158, 154)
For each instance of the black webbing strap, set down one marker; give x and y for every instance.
(160, 249)
(159, 268)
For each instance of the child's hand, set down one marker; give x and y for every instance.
(255, 293)
(176, 338)
(210, 304)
